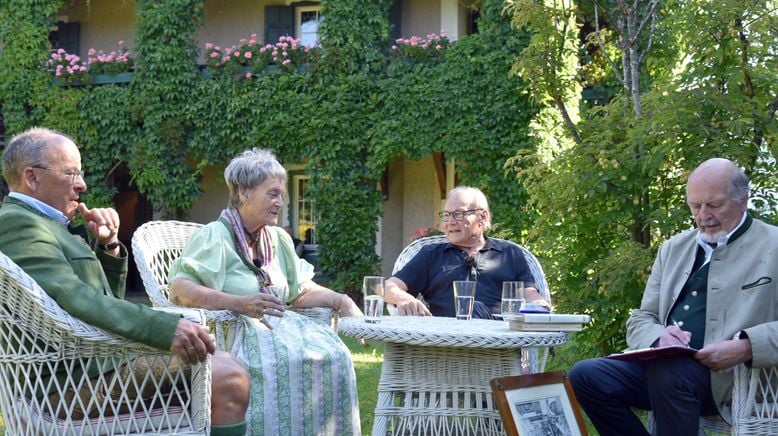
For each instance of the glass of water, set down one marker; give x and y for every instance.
(464, 298)
(512, 299)
(373, 293)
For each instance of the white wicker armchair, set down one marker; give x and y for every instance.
(413, 248)
(156, 244)
(38, 338)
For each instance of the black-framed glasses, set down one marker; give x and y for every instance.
(457, 215)
(74, 175)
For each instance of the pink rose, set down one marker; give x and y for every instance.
(286, 62)
(247, 55)
(248, 76)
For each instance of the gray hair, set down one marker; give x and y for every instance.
(249, 169)
(28, 149)
(478, 199)
(738, 188)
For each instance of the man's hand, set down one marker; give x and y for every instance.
(673, 335)
(725, 354)
(532, 295)
(103, 223)
(191, 342)
(412, 307)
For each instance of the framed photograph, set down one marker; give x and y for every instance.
(538, 405)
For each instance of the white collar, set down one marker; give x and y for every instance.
(721, 242)
(41, 207)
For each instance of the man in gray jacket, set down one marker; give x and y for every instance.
(707, 285)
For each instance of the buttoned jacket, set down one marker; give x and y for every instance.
(741, 297)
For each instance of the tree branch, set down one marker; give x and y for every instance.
(601, 43)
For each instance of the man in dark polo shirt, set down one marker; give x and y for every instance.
(468, 255)
(707, 285)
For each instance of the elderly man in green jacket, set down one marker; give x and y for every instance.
(43, 171)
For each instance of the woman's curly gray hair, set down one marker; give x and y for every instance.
(249, 169)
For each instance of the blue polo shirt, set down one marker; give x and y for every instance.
(435, 267)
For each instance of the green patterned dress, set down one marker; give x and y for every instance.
(302, 377)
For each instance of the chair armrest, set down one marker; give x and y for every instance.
(320, 315)
(195, 315)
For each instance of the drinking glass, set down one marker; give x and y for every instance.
(464, 298)
(512, 299)
(373, 293)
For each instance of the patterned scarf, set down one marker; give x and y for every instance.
(260, 242)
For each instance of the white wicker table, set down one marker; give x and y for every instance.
(436, 371)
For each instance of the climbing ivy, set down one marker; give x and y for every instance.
(344, 119)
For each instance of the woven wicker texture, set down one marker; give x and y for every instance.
(156, 244)
(448, 332)
(38, 338)
(436, 371)
(755, 401)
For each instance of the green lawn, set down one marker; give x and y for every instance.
(367, 365)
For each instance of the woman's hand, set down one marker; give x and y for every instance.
(346, 306)
(259, 305)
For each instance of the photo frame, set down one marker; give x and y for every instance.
(538, 405)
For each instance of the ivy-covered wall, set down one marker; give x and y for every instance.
(346, 118)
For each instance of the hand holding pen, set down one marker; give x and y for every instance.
(674, 335)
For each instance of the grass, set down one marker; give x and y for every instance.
(367, 366)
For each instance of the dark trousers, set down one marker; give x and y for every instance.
(676, 389)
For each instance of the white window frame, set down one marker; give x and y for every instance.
(295, 200)
(298, 11)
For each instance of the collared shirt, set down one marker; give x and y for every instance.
(689, 310)
(434, 268)
(41, 207)
(706, 246)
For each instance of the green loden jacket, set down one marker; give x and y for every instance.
(88, 285)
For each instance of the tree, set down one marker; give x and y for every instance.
(614, 191)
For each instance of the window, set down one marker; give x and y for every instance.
(307, 20)
(304, 217)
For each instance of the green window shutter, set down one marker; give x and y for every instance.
(66, 37)
(279, 21)
(395, 20)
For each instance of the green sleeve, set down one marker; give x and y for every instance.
(72, 280)
(204, 258)
(298, 271)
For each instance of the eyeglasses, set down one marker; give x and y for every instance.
(457, 215)
(74, 175)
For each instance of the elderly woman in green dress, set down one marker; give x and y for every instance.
(302, 377)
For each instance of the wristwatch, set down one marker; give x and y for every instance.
(109, 246)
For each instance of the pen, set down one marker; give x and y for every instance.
(679, 325)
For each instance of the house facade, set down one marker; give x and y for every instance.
(413, 190)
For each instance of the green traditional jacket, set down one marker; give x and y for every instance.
(88, 285)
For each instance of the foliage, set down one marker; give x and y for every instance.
(288, 54)
(114, 62)
(614, 191)
(418, 48)
(345, 120)
(167, 72)
(24, 30)
(68, 68)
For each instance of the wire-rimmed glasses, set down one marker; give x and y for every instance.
(457, 215)
(74, 175)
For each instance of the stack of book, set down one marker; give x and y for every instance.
(549, 322)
